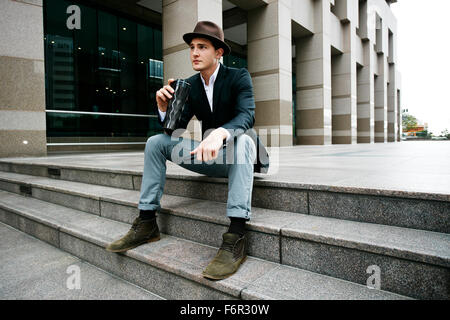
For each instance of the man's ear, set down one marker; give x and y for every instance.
(219, 53)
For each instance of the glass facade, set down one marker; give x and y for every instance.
(235, 61)
(101, 75)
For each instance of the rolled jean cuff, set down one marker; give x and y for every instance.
(236, 213)
(142, 206)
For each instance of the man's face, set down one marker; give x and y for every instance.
(203, 55)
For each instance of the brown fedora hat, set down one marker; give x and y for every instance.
(210, 31)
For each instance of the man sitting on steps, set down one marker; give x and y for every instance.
(222, 99)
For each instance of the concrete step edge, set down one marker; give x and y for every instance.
(352, 234)
(422, 214)
(143, 253)
(6, 164)
(46, 268)
(156, 258)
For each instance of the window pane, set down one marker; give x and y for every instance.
(108, 72)
(235, 61)
(59, 63)
(128, 62)
(95, 125)
(85, 56)
(111, 65)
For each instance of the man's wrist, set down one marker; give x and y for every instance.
(223, 133)
(162, 114)
(161, 109)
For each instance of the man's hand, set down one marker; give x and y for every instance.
(163, 95)
(209, 148)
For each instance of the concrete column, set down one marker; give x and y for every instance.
(366, 97)
(270, 64)
(381, 99)
(178, 18)
(392, 105)
(313, 63)
(344, 87)
(22, 89)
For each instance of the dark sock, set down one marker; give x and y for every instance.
(237, 226)
(147, 214)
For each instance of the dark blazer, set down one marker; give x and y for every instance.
(233, 108)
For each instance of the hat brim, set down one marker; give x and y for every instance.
(187, 37)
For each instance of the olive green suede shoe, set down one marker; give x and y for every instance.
(231, 255)
(142, 231)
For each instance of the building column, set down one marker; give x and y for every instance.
(366, 97)
(270, 65)
(313, 63)
(344, 87)
(178, 18)
(381, 100)
(22, 91)
(392, 105)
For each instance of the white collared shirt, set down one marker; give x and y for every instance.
(209, 90)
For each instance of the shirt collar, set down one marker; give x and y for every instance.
(213, 77)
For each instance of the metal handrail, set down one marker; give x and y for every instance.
(91, 143)
(104, 113)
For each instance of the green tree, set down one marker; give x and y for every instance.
(445, 133)
(408, 122)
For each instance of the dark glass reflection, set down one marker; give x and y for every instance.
(110, 65)
(98, 125)
(235, 61)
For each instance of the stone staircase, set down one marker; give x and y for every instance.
(305, 241)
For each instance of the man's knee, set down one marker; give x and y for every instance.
(156, 142)
(245, 149)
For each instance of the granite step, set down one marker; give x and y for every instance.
(35, 270)
(170, 268)
(338, 248)
(424, 211)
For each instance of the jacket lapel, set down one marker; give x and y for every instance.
(203, 97)
(218, 86)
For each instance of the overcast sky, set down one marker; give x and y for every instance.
(424, 60)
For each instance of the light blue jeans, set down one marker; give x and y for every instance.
(235, 162)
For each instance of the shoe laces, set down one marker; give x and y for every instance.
(227, 246)
(135, 224)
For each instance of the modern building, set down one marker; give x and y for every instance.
(82, 74)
